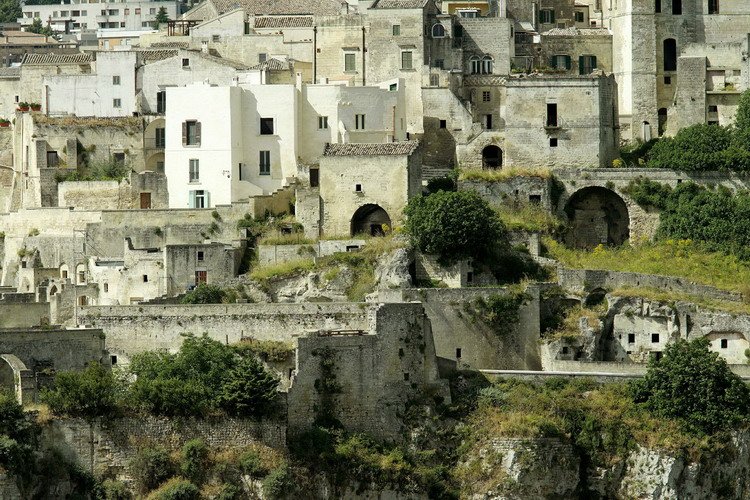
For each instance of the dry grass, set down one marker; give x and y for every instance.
(285, 239)
(43, 416)
(76, 121)
(570, 328)
(476, 174)
(673, 297)
(529, 217)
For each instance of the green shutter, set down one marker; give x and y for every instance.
(581, 62)
(593, 62)
(553, 62)
(568, 62)
(191, 199)
(552, 16)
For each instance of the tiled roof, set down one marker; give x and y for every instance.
(384, 149)
(170, 45)
(577, 32)
(150, 56)
(281, 7)
(284, 22)
(398, 4)
(272, 65)
(56, 59)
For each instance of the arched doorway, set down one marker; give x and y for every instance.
(492, 157)
(370, 219)
(597, 216)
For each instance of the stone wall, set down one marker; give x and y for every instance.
(22, 315)
(513, 191)
(274, 254)
(62, 350)
(94, 195)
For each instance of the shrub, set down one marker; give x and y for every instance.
(267, 350)
(252, 464)
(454, 226)
(176, 489)
(277, 483)
(498, 311)
(90, 393)
(150, 467)
(697, 147)
(648, 193)
(205, 294)
(17, 436)
(111, 489)
(695, 386)
(194, 460)
(248, 389)
(445, 183)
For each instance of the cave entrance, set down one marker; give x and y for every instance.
(597, 216)
(371, 220)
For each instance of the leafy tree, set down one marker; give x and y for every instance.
(696, 387)
(176, 489)
(92, 392)
(10, 11)
(161, 17)
(205, 294)
(454, 226)
(698, 147)
(38, 27)
(150, 467)
(249, 389)
(17, 436)
(194, 461)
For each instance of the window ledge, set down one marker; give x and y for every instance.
(351, 72)
(411, 70)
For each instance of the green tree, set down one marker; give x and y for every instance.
(10, 11)
(92, 392)
(695, 386)
(194, 460)
(249, 389)
(17, 437)
(161, 17)
(698, 147)
(454, 226)
(205, 294)
(39, 28)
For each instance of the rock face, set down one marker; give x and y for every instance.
(392, 270)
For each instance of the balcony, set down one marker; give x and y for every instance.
(153, 144)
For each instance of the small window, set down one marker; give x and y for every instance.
(194, 170)
(469, 277)
(443, 123)
(434, 80)
(145, 278)
(670, 54)
(264, 162)
(137, 10)
(586, 64)
(579, 16)
(215, 38)
(160, 138)
(547, 16)
(553, 142)
(486, 96)
(185, 62)
(191, 133)
(322, 122)
(713, 109)
(199, 256)
(667, 80)
(475, 65)
(113, 360)
(396, 30)
(161, 101)
(359, 122)
(116, 80)
(676, 7)
(552, 114)
(724, 343)
(561, 61)
(393, 87)
(106, 287)
(657, 6)
(713, 122)
(350, 61)
(116, 103)
(262, 57)
(535, 199)
(406, 377)
(358, 188)
(487, 121)
(654, 338)
(438, 31)
(406, 62)
(713, 6)
(631, 338)
(565, 350)
(458, 353)
(266, 126)
(315, 179)
(439, 63)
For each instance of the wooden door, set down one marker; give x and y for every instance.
(200, 277)
(145, 200)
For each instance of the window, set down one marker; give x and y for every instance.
(64, 13)
(434, 80)
(106, 287)
(724, 343)
(315, 180)
(487, 65)
(486, 96)
(264, 163)
(215, 38)
(145, 278)
(439, 63)
(657, 6)
(116, 80)
(676, 7)
(396, 30)
(262, 57)
(200, 256)
(654, 338)
(670, 54)
(535, 199)
(114, 12)
(266, 126)
(713, 109)
(713, 6)
(81, 277)
(127, 12)
(475, 65)
(551, 114)
(152, 11)
(458, 353)
(359, 122)
(438, 31)
(631, 338)
(406, 59)
(194, 170)
(104, 12)
(145, 24)
(579, 16)
(561, 61)
(185, 62)
(443, 124)
(191, 133)
(322, 122)
(487, 121)
(119, 158)
(75, 13)
(137, 10)
(586, 64)
(547, 16)
(553, 142)
(350, 61)
(470, 13)
(116, 103)
(199, 199)
(358, 188)
(161, 101)
(160, 137)
(393, 87)
(667, 80)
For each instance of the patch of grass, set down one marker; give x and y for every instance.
(475, 174)
(673, 297)
(264, 274)
(268, 350)
(570, 327)
(682, 258)
(285, 239)
(529, 217)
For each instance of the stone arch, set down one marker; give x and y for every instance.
(670, 54)
(438, 31)
(12, 374)
(370, 219)
(595, 297)
(80, 277)
(596, 216)
(492, 157)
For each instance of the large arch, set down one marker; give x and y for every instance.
(370, 219)
(12, 372)
(492, 157)
(596, 216)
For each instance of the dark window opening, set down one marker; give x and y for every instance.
(535, 199)
(565, 350)
(200, 255)
(677, 7)
(406, 377)
(655, 338)
(458, 353)
(657, 6)
(670, 54)
(713, 109)
(113, 360)
(400, 352)
(552, 114)
(145, 278)
(443, 123)
(631, 338)
(713, 6)
(667, 80)
(724, 343)
(314, 177)
(358, 188)
(266, 126)
(469, 277)
(553, 142)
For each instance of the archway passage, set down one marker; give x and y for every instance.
(492, 157)
(370, 219)
(597, 216)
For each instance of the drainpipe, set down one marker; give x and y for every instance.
(315, 55)
(364, 49)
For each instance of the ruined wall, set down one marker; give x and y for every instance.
(22, 315)
(94, 195)
(59, 349)
(274, 254)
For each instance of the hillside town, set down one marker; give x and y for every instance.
(399, 249)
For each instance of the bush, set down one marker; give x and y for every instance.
(277, 483)
(150, 467)
(93, 392)
(445, 183)
(695, 386)
(454, 226)
(194, 460)
(648, 193)
(111, 489)
(176, 489)
(17, 436)
(252, 464)
(698, 147)
(205, 294)
(248, 389)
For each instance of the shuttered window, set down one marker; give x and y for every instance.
(191, 133)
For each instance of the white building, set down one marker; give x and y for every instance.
(228, 143)
(80, 14)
